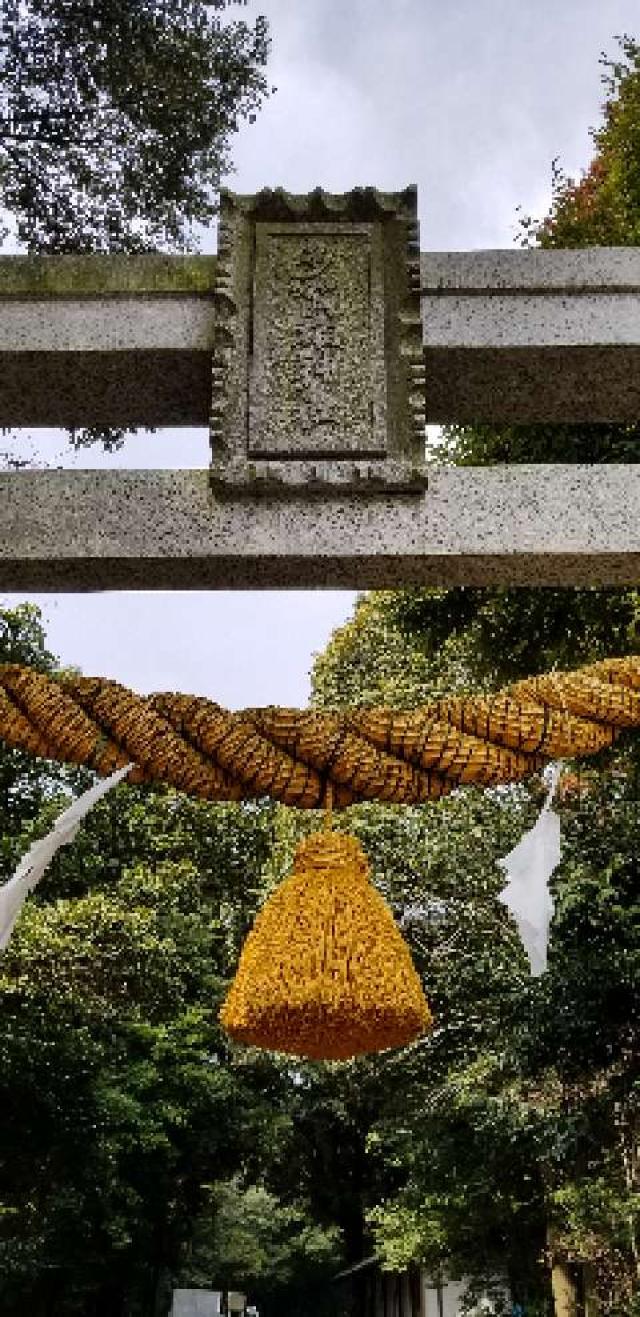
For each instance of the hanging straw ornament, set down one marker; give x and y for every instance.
(324, 972)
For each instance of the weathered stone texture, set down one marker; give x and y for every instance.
(571, 525)
(106, 340)
(508, 336)
(526, 336)
(318, 375)
(313, 369)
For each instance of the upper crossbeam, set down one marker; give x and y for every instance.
(508, 336)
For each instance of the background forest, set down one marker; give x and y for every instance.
(138, 1149)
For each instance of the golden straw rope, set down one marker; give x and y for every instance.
(297, 756)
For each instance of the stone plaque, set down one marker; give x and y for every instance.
(318, 374)
(315, 369)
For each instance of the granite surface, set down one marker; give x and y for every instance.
(507, 337)
(526, 525)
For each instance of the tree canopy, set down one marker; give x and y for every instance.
(116, 117)
(133, 1134)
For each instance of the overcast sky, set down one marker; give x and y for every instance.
(471, 100)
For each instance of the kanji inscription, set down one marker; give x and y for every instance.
(313, 381)
(318, 373)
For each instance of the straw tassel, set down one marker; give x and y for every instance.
(325, 973)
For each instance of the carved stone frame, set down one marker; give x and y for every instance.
(318, 371)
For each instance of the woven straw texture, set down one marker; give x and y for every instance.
(324, 972)
(293, 755)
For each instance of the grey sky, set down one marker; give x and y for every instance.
(471, 100)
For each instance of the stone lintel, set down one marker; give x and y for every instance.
(513, 337)
(106, 340)
(130, 359)
(532, 336)
(533, 269)
(147, 530)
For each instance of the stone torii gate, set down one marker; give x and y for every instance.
(316, 345)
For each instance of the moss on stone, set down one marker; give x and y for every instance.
(64, 276)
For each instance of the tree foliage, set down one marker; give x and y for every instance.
(601, 208)
(520, 1137)
(116, 117)
(251, 1240)
(516, 1121)
(25, 789)
(127, 1115)
(120, 1095)
(115, 124)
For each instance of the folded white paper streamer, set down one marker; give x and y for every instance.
(528, 867)
(34, 863)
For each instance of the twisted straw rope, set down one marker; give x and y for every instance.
(295, 755)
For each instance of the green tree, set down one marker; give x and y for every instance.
(528, 1140)
(357, 1129)
(116, 117)
(115, 123)
(25, 786)
(274, 1252)
(533, 1134)
(121, 1097)
(602, 208)
(517, 1119)
(138, 1147)
(122, 1100)
(587, 1025)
